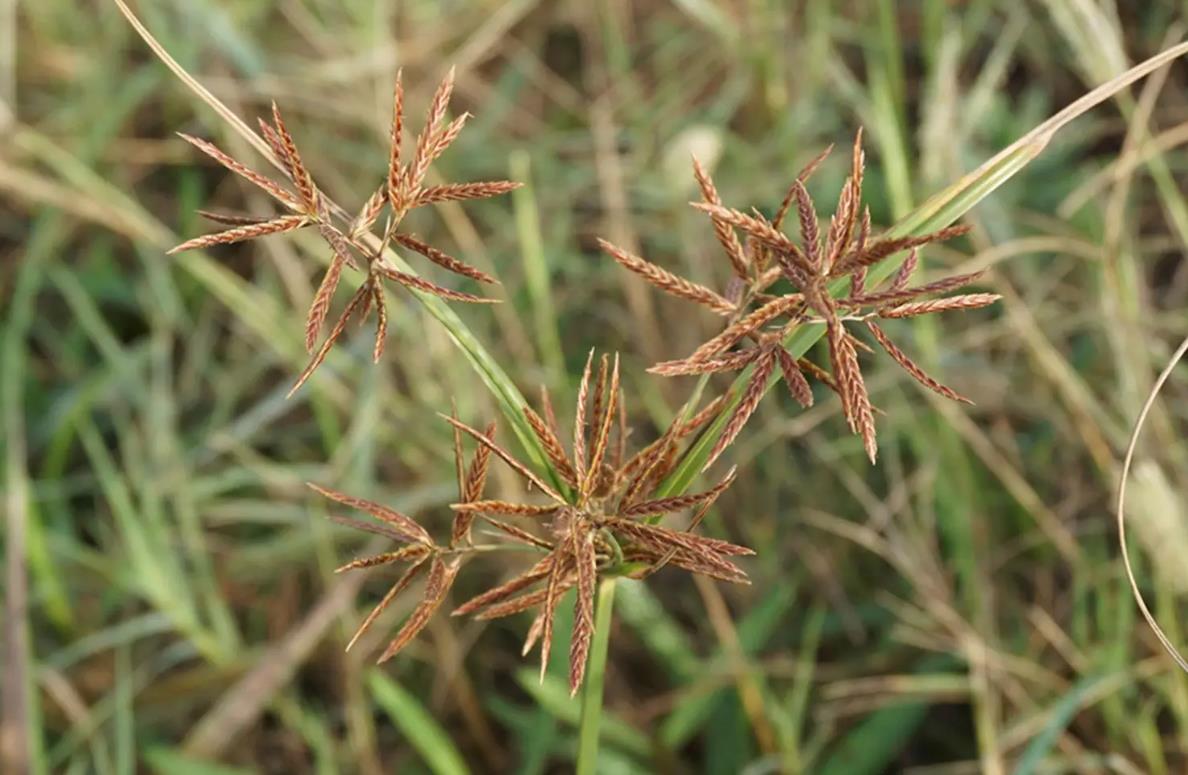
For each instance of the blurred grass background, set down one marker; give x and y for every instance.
(960, 608)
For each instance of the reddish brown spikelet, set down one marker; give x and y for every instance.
(810, 229)
(747, 405)
(335, 332)
(553, 592)
(678, 502)
(794, 379)
(274, 143)
(667, 281)
(526, 601)
(300, 176)
(405, 525)
(583, 612)
(907, 294)
(321, 302)
(515, 533)
(757, 227)
(506, 457)
(602, 436)
(911, 367)
(421, 155)
(338, 243)
(848, 375)
(446, 137)
(552, 446)
(883, 248)
(458, 192)
(370, 212)
(405, 553)
(425, 286)
(396, 589)
(245, 232)
(773, 309)
(722, 230)
(904, 273)
(476, 476)
(441, 577)
(272, 189)
(395, 140)
(232, 219)
(506, 508)
(443, 259)
(801, 178)
(968, 301)
(470, 482)
(579, 420)
(729, 362)
(381, 320)
(506, 589)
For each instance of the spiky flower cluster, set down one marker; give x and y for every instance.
(351, 239)
(760, 322)
(599, 517)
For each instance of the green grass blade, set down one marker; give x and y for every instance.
(417, 725)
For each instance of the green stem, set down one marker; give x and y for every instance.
(587, 758)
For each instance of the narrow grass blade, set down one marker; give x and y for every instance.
(417, 725)
(587, 759)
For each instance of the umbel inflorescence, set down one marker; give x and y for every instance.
(759, 321)
(595, 510)
(600, 518)
(351, 239)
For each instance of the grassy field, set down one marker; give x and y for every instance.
(959, 608)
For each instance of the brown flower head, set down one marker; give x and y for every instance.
(350, 239)
(599, 518)
(759, 322)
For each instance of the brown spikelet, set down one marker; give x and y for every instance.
(381, 320)
(757, 227)
(968, 301)
(529, 600)
(396, 136)
(335, 332)
(771, 310)
(441, 577)
(369, 527)
(423, 285)
(271, 188)
(580, 420)
(552, 446)
(534, 631)
(810, 229)
(583, 612)
(476, 476)
(911, 367)
(880, 249)
(552, 596)
(245, 232)
(321, 302)
(302, 180)
(419, 165)
(443, 259)
(470, 483)
(405, 525)
(903, 274)
(278, 151)
(678, 502)
(848, 376)
(602, 433)
(667, 281)
(369, 213)
(506, 457)
(506, 508)
(515, 533)
(722, 230)
(458, 192)
(794, 379)
(397, 588)
(802, 178)
(410, 552)
(747, 405)
(445, 138)
(506, 589)
(729, 362)
(338, 243)
(232, 219)
(881, 298)
(546, 407)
